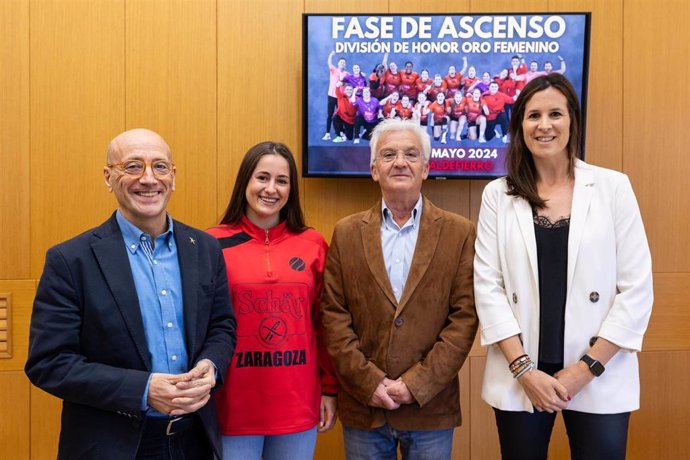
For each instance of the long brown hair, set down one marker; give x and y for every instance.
(291, 212)
(522, 175)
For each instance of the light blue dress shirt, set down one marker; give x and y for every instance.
(398, 245)
(156, 272)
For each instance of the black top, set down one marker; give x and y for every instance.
(552, 258)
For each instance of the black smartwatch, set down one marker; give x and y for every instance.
(595, 367)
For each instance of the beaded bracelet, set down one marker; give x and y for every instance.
(520, 368)
(528, 368)
(518, 363)
(519, 358)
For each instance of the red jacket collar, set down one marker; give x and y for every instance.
(274, 234)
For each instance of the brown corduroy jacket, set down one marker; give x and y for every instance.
(424, 338)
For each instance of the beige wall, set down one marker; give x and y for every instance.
(77, 72)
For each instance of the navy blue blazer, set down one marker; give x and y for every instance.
(87, 344)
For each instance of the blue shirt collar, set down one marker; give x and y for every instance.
(387, 215)
(133, 235)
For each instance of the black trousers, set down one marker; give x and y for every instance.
(525, 436)
(189, 443)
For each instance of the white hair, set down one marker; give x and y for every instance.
(395, 124)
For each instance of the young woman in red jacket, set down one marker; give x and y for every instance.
(280, 389)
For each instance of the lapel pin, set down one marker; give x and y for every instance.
(192, 240)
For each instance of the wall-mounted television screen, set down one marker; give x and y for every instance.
(457, 75)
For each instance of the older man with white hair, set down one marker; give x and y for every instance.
(398, 308)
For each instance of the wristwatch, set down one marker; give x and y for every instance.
(595, 367)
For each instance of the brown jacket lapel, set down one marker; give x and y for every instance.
(370, 231)
(427, 240)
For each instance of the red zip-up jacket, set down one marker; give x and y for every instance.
(280, 368)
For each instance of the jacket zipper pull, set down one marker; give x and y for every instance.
(269, 270)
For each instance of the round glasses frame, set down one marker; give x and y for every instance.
(137, 168)
(410, 156)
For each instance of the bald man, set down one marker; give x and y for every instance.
(132, 325)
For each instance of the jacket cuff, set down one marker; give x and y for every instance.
(499, 331)
(621, 336)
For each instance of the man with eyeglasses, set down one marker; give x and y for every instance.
(132, 324)
(398, 308)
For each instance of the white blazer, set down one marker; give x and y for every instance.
(609, 287)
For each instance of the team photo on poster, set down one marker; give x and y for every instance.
(458, 76)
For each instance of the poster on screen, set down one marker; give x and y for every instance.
(381, 66)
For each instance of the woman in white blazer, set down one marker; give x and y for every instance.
(563, 286)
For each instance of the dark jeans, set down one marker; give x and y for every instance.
(382, 444)
(526, 436)
(189, 444)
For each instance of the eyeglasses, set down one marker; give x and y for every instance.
(137, 168)
(411, 156)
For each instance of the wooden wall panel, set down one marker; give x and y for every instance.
(476, 190)
(77, 106)
(660, 428)
(655, 142)
(22, 299)
(14, 140)
(477, 349)
(508, 6)
(45, 424)
(484, 437)
(15, 410)
(559, 448)
(323, 206)
(171, 88)
(462, 434)
(451, 195)
(329, 445)
(347, 6)
(429, 6)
